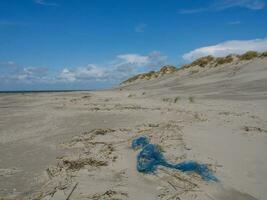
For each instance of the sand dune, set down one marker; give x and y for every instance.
(77, 145)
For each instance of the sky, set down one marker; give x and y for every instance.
(95, 44)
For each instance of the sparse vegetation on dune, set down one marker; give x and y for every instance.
(176, 99)
(207, 61)
(249, 55)
(264, 54)
(167, 69)
(202, 62)
(172, 100)
(191, 99)
(224, 60)
(131, 95)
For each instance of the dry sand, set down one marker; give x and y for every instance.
(77, 144)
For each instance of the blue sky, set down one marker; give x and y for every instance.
(91, 44)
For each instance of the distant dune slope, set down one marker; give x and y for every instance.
(232, 77)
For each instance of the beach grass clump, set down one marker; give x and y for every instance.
(202, 62)
(131, 95)
(149, 75)
(264, 54)
(176, 99)
(165, 99)
(249, 55)
(224, 60)
(191, 99)
(168, 69)
(131, 79)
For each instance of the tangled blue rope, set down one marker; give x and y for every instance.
(150, 157)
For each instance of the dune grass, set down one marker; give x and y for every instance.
(249, 55)
(191, 99)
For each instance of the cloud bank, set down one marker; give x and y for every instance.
(122, 67)
(90, 75)
(228, 47)
(45, 3)
(82, 73)
(134, 59)
(220, 5)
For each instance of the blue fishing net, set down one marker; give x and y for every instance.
(201, 169)
(150, 157)
(140, 142)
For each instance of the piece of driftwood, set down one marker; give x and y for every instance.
(49, 173)
(75, 186)
(172, 185)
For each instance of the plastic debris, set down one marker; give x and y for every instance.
(140, 142)
(201, 169)
(150, 157)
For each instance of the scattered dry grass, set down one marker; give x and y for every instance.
(253, 128)
(109, 195)
(86, 96)
(191, 99)
(78, 164)
(166, 99)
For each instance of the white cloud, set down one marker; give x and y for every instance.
(26, 74)
(234, 22)
(67, 75)
(10, 62)
(114, 72)
(134, 59)
(228, 47)
(140, 28)
(32, 74)
(119, 69)
(83, 73)
(249, 4)
(220, 5)
(45, 3)
(91, 71)
(156, 59)
(7, 63)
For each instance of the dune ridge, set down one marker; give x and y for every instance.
(207, 61)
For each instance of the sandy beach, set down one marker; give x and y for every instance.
(77, 145)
